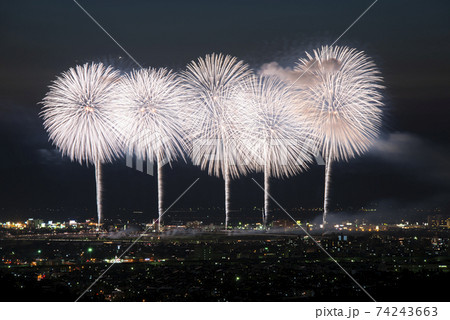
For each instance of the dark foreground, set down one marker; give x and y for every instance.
(411, 266)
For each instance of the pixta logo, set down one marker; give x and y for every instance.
(154, 143)
(207, 149)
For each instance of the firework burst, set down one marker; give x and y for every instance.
(211, 89)
(78, 112)
(340, 89)
(151, 117)
(279, 138)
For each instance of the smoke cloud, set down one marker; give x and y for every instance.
(287, 75)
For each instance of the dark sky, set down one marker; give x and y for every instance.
(409, 41)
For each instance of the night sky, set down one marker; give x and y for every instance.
(409, 40)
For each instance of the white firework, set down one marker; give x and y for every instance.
(340, 89)
(211, 85)
(279, 138)
(78, 112)
(151, 117)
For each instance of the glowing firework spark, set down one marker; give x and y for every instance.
(151, 118)
(211, 86)
(279, 137)
(78, 112)
(341, 90)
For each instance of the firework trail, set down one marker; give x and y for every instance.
(99, 191)
(211, 85)
(160, 193)
(280, 138)
(151, 114)
(266, 194)
(78, 112)
(340, 89)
